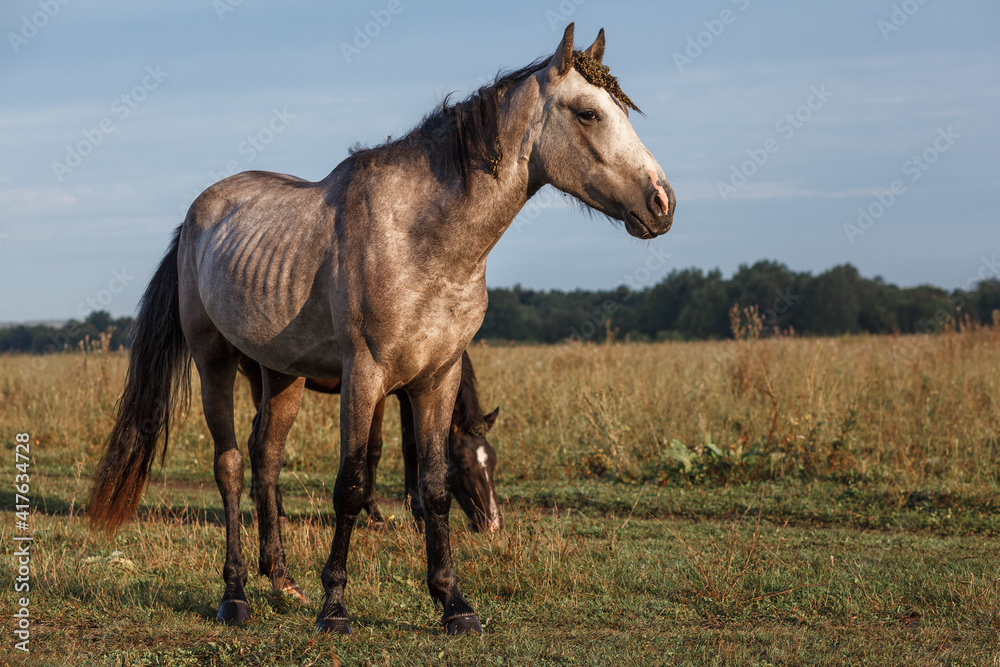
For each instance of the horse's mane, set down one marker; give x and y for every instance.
(468, 414)
(465, 134)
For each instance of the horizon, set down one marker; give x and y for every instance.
(814, 136)
(971, 285)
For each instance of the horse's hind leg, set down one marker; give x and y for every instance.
(282, 395)
(216, 361)
(254, 376)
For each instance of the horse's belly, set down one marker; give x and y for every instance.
(271, 300)
(303, 344)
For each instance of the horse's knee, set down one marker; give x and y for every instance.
(436, 495)
(229, 469)
(349, 497)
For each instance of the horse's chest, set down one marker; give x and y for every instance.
(421, 327)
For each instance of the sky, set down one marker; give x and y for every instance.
(813, 134)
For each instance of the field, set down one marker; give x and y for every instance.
(762, 501)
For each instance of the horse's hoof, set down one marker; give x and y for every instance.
(463, 624)
(340, 625)
(233, 612)
(293, 590)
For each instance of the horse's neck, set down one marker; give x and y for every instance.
(473, 219)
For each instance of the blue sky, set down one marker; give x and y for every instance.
(775, 122)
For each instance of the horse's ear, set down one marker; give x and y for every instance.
(596, 50)
(562, 59)
(491, 419)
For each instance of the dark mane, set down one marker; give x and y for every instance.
(464, 135)
(468, 414)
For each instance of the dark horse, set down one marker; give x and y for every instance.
(375, 275)
(471, 462)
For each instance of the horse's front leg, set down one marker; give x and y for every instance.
(432, 410)
(282, 396)
(360, 392)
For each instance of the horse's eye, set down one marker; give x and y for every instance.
(587, 116)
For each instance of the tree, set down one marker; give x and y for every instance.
(772, 287)
(830, 302)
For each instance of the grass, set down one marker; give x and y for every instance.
(753, 502)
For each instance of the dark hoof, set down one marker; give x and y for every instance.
(465, 624)
(233, 612)
(339, 625)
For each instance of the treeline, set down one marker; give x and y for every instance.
(43, 338)
(692, 304)
(686, 305)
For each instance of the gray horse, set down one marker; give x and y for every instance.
(375, 275)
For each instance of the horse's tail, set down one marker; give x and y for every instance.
(158, 373)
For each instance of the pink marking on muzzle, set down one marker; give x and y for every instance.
(664, 201)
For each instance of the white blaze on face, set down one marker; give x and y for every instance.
(493, 520)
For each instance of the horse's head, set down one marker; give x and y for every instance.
(472, 462)
(585, 144)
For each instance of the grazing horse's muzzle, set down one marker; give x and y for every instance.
(470, 475)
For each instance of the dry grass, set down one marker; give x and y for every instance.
(916, 409)
(870, 465)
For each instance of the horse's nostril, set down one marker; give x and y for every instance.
(659, 203)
